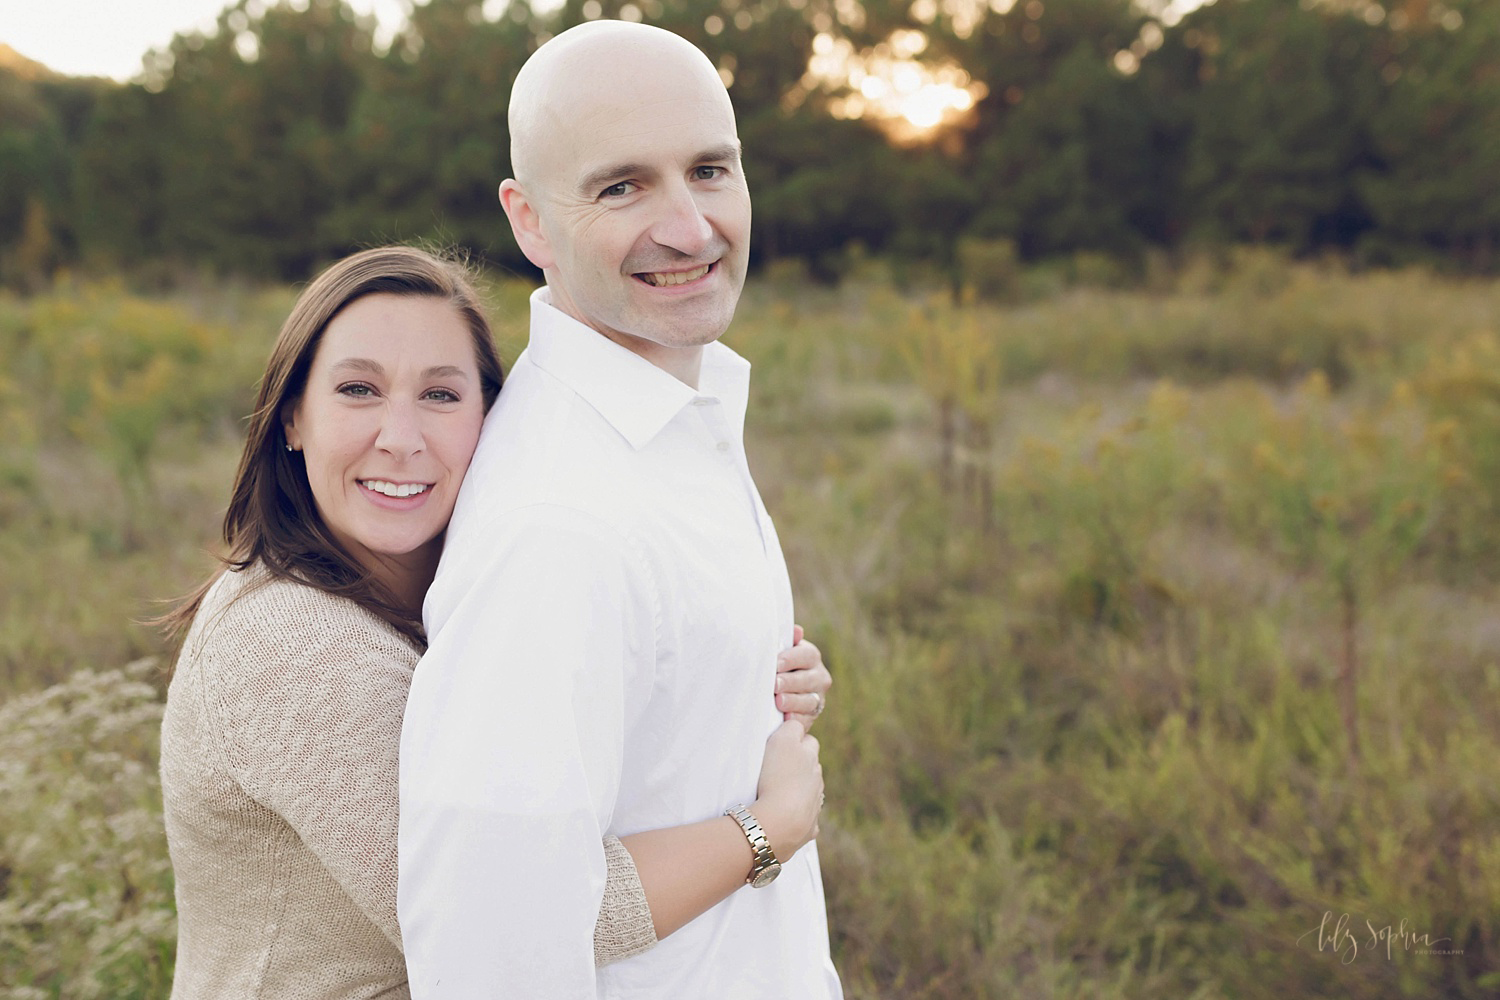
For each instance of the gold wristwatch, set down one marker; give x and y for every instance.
(766, 866)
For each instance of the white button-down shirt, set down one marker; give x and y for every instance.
(604, 628)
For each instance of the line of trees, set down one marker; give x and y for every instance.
(289, 136)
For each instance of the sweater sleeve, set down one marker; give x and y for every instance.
(624, 926)
(310, 695)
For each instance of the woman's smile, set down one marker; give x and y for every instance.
(395, 490)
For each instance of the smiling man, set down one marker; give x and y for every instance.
(612, 594)
(629, 194)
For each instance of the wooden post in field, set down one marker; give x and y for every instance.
(1348, 680)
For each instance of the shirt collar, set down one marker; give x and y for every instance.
(636, 397)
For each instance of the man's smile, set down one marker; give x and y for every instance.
(663, 279)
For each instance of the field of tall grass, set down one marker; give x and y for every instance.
(1166, 624)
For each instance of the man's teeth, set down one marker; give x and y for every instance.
(660, 278)
(394, 490)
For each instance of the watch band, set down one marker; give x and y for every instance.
(766, 866)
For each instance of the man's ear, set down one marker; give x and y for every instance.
(525, 223)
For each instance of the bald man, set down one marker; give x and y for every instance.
(612, 595)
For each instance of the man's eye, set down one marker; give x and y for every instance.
(708, 173)
(619, 190)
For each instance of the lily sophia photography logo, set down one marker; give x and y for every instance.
(1343, 937)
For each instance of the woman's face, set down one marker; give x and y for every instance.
(387, 425)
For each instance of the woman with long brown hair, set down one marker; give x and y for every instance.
(283, 721)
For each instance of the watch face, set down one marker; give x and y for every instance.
(767, 875)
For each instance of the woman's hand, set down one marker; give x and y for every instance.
(802, 682)
(790, 793)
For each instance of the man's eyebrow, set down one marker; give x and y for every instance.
(596, 180)
(728, 151)
(370, 367)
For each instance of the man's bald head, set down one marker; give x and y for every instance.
(628, 190)
(590, 69)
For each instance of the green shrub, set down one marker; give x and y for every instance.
(991, 268)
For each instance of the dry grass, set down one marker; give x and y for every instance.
(1174, 634)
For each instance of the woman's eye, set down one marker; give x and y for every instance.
(356, 389)
(442, 395)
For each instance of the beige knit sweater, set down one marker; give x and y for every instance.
(278, 764)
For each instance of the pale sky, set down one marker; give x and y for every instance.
(110, 37)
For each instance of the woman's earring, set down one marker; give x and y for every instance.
(289, 447)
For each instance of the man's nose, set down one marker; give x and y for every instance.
(400, 431)
(682, 225)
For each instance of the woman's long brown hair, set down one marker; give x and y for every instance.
(272, 517)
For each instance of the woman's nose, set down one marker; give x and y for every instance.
(400, 431)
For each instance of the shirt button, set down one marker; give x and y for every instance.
(723, 446)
